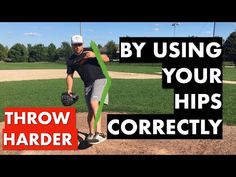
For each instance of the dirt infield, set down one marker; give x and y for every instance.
(144, 147)
(19, 75)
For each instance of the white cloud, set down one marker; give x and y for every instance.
(156, 24)
(31, 34)
(156, 29)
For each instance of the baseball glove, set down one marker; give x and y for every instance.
(68, 100)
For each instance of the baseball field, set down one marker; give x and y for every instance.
(135, 88)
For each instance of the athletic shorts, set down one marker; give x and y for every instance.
(94, 92)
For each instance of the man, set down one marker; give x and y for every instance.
(86, 64)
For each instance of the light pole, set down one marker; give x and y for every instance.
(81, 28)
(214, 29)
(174, 24)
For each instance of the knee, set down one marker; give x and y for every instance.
(94, 104)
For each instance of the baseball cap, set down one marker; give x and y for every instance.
(76, 39)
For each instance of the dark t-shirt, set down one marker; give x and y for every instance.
(89, 71)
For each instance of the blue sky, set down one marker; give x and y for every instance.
(101, 32)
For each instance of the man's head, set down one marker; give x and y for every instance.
(77, 43)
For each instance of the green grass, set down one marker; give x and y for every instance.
(229, 104)
(138, 96)
(228, 73)
(134, 96)
(38, 65)
(135, 67)
(111, 66)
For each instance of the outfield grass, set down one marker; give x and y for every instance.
(134, 96)
(147, 68)
(229, 104)
(228, 73)
(111, 66)
(140, 96)
(38, 65)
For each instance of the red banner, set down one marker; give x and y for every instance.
(40, 129)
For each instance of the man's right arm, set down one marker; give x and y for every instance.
(69, 81)
(69, 77)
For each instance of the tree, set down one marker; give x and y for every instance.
(99, 46)
(18, 53)
(3, 52)
(51, 52)
(29, 48)
(7, 49)
(67, 50)
(64, 51)
(111, 49)
(37, 53)
(229, 47)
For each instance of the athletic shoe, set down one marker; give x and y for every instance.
(98, 138)
(89, 138)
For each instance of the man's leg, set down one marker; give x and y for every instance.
(90, 116)
(90, 120)
(95, 105)
(96, 95)
(99, 136)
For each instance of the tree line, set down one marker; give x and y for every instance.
(39, 52)
(229, 48)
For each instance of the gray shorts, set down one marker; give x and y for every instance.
(94, 92)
